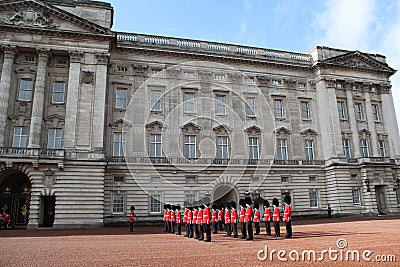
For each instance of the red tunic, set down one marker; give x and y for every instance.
(132, 216)
(194, 220)
(178, 217)
(206, 215)
(172, 216)
(6, 218)
(214, 216)
(200, 217)
(185, 216)
(267, 215)
(234, 216)
(287, 215)
(257, 216)
(165, 216)
(248, 215)
(227, 216)
(242, 214)
(277, 214)
(220, 215)
(190, 217)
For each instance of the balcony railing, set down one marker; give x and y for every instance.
(124, 38)
(36, 153)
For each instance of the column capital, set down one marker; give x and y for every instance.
(75, 56)
(43, 53)
(102, 58)
(9, 51)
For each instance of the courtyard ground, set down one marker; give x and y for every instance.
(376, 241)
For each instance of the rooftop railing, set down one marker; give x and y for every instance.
(163, 41)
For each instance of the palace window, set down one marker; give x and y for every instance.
(118, 179)
(118, 203)
(313, 199)
(54, 139)
(190, 146)
(356, 196)
(222, 148)
(58, 92)
(191, 179)
(250, 106)
(253, 147)
(285, 179)
(20, 137)
(359, 111)
(309, 146)
(155, 180)
(346, 148)
(121, 98)
(155, 145)
(155, 203)
(188, 102)
(278, 108)
(25, 89)
(119, 145)
(375, 112)
(220, 108)
(305, 110)
(341, 110)
(190, 198)
(312, 179)
(282, 149)
(382, 150)
(156, 101)
(364, 148)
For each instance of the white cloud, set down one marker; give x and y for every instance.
(243, 27)
(346, 24)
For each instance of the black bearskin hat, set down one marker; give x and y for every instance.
(256, 205)
(248, 201)
(132, 207)
(173, 207)
(214, 207)
(233, 204)
(287, 199)
(227, 206)
(178, 207)
(275, 202)
(242, 203)
(168, 206)
(202, 206)
(266, 203)
(165, 206)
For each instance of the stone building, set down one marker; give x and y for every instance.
(93, 121)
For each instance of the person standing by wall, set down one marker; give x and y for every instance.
(131, 218)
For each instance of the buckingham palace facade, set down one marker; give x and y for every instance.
(93, 121)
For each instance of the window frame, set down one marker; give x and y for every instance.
(121, 146)
(307, 106)
(55, 138)
(347, 148)
(120, 205)
(20, 136)
(152, 205)
(53, 101)
(157, 144)
(280, 155)
(250, 107)
(364, 147)
(188, 143)
(359, 110)
(308, 148)
(156, 99)
(280, 109)
(189, 103)
(353, 190)
(20, 90)
(220, 106)
(224, 147)
(314, 199)
(342, 111)
(382, 148)
(253, 146)
(121, 100)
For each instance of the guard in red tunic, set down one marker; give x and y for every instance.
(256, 219)
(168, 218)
(214, 219)
(172, 219)
(267, 217)
(287, 216)
(276, 217)
(228, 220)
(131, 218)
(190, 222)
(234, 219)
(207, 221)
(178, 219)
(242, 204)
(185, 221)
(248, 218)
(165, 218)
(200, 222)
(221, 212)
(6, 219)
(196, 226)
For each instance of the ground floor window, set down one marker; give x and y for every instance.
(356, 196)
(118, 203)
(314, 199)
(155, 203)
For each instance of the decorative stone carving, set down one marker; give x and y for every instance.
(30, 17)
(384, 88)
(48, 178)
(87, 77)
(235, 78)
(9, 51)
(102, 58)
(205, 75)
(75, 56)
(44, 54)
(173, 73)
(263, 80)
(139, 69)
(291, 83)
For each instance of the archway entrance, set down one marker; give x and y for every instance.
(225, 194)
(15, 195)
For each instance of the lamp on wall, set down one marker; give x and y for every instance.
(367, 183)
(397, 185)
(247, 193)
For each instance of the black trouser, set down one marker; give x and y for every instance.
(243, 224)
(131, 226)
(166, 227)
(215, 227)
(220, 225)
(196, 231)
(277, 229)
(228, 229)
(234, 228)
(289, 229)
(329, 215)
(179, 228)
(257, 226)
(191, 234)
(186, 229)
(250, 230)
(173, 227)
(268, 227)
(208, 231)
(201, 232)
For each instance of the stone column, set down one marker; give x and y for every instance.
(371, 124)
(99, 112)
(35, 129)
(5, 84)
(352, 121)
(72, 99)
(390, 121)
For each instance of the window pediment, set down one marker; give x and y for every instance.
(283, 131)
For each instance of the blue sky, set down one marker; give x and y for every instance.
(291, 25)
